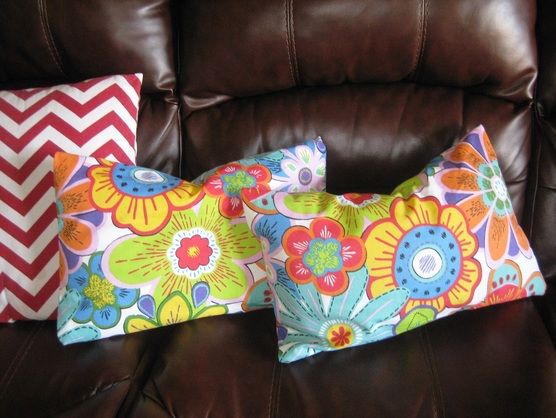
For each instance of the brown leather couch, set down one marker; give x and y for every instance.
(388, 84)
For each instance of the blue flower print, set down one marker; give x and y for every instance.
(309, 325)
(101, 302)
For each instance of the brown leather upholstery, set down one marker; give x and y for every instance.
(45, 42)
(544, 186)
(388, 84)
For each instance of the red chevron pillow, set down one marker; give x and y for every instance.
(94, 117)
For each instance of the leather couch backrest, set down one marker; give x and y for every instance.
(543, 201)
(263, 47)
(386, 83)
(58, 41)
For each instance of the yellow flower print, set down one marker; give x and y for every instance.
(139, 198)
(428, 249)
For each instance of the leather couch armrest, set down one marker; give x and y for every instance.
(547, 308)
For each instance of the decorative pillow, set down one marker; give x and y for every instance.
(352, 269)
(156, 250)
(94, 117)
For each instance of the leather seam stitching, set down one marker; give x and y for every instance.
(278, 387)
(287, 25)
(180, 140)
(270, 398)
(424, 37)
(47, 33)
(538, 137)
(420, 47)
(436, 389)
(294, 50)
(288, 39)
(179, 99)
(18, 360)
(427, 361)
(535, 185)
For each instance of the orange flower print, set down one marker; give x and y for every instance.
(472, 179)
(140, 199)
(77, 218)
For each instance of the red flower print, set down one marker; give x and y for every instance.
(341, 337)
(506, 284)
(193, 252)
(230, 180)
(323, 255)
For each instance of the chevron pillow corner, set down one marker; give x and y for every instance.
(95, 117)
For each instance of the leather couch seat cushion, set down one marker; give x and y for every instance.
(465, 365)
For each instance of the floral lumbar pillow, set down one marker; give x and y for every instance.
(155, 250)
(352, 269)
(93, 117)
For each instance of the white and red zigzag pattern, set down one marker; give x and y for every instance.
(96, 117)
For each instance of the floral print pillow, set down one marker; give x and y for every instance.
(151, 250)
(352, 269)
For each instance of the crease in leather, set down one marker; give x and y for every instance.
(155, 398)
(168, 126)
(276, 386)
(193, 104)
(534, 179)
(546, 187)
(470, 90)
(437, 401)
(270, 395)
(138, 382)
(354, 120)
(47, 32)
(401, 114)
(158, 394)
(18, 359)
(180, 139)
(134, 388)
(422, 409)
(178, 87)
(156, 402)
(96, 392)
